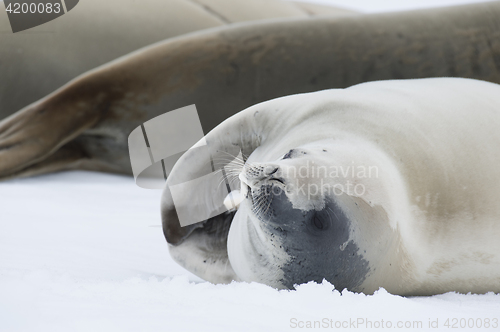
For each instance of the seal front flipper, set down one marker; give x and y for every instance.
(201, 247)
(69, 157)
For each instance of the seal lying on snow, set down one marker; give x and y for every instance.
(85, 124)
(421, 213)
(35, 62)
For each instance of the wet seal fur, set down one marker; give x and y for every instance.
(85, 124)
(426, 223)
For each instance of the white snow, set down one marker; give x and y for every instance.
(83, 251)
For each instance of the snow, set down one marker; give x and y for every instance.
(84, 251)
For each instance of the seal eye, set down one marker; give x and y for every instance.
(319, 222)
(288, 155)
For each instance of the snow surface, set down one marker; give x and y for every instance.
(83, 251)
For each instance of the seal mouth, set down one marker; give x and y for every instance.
(246, 187)
(279, 180)
(260, 192)
(261, 199)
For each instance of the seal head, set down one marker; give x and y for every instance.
(277, 239)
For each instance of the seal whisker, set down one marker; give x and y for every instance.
(269, 205)
(228, 161)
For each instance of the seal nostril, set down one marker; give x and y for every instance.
(274, 171)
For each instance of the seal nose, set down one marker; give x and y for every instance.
(270, 170)
(254, 174)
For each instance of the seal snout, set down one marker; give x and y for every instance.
(257, 175)
(259, 183)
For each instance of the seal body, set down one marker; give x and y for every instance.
(388, 184)
(225, 70)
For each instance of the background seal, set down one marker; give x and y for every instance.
(85, 124)
(37, 61)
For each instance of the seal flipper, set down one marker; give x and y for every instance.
(202, 247)
(35, 140)
(68, 157)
